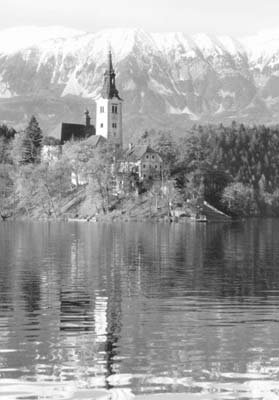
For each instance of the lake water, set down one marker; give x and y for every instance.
(113, 311)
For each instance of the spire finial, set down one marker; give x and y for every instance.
(110, 67)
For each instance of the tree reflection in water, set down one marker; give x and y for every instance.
(89, 302)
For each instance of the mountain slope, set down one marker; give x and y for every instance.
(167, 80)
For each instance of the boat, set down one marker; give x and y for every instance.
(201, 218)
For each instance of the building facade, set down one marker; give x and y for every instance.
(145, 161)
(109, 110)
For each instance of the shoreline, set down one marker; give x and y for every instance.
(111, 219)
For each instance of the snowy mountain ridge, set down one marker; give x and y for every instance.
(20, 38)
(161, 76)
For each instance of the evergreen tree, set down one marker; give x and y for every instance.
(27, 144)
(168, 150)
(32, 142)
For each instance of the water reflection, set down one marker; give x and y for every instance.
(154, 307)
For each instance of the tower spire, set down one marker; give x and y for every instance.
(109, 108)
(110, 67)
(109, 89)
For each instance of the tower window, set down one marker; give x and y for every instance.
(102, 109)
(114, 109)
(114, 125)
(102, 125)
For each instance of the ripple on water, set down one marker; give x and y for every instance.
(119, 310)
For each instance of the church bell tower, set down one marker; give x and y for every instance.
(109, 109)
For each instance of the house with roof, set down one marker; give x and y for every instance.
(144, 161)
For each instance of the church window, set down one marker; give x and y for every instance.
(114, 125)
(153, 157)
(147, 156)
(114, 109)
(143, 166)
(102, 109)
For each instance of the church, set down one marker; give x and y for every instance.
(108, 131)
(108, 115)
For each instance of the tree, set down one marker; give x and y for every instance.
(6, 137)
(27, 144)
(239, 199)
(42, 187)
(6, 188)
(33, 141)
(77, 155)
(168, 150)
(214, 180)
(101, 178)
(169, 193)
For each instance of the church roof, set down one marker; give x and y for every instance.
(75, 131)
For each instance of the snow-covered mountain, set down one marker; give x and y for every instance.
(166, 79)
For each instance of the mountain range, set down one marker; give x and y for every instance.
(167, 80)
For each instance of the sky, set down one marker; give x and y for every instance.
(233, 17)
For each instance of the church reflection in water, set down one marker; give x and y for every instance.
(89, 301)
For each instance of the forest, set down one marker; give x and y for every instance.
(235, 168)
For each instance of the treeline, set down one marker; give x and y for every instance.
(235, 168)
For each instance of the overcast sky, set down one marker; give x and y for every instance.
(235, 17)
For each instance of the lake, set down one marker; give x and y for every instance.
(139, 310)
